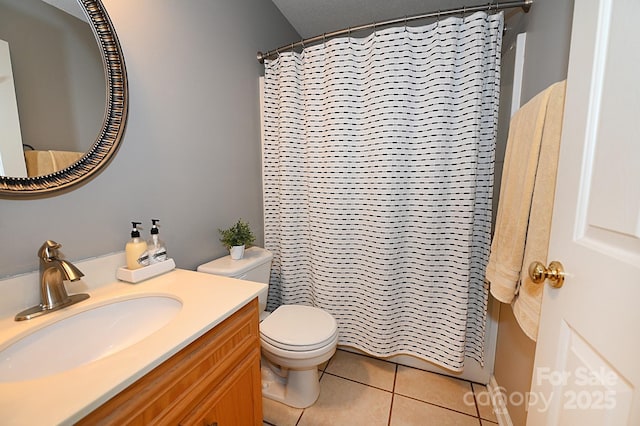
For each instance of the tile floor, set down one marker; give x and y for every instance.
(359, 390)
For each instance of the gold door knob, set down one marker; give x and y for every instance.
(554, 273)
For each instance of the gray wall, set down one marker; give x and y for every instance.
(191, 152)
(58, 74)
(548, 28)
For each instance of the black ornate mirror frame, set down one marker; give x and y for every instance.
(112, 128)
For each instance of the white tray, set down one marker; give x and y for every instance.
(144, 273)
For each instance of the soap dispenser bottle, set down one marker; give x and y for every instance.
(156, 248)
(136, 249)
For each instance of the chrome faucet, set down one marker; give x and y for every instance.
(53, 272)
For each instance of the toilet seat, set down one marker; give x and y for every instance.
(299, 328)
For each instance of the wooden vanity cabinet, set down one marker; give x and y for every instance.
(213, 381)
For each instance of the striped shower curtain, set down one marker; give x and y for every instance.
(378, 177)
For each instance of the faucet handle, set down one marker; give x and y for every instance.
(49, 250)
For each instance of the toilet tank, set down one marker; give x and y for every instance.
(254, 266)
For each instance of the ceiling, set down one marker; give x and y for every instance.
(70, 6)
(315, 17)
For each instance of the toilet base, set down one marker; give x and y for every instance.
(299, 389)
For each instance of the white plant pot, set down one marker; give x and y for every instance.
(236, 252)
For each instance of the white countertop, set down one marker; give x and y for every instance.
(66, 397)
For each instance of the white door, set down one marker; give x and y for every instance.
(587, 364)
(11, 153)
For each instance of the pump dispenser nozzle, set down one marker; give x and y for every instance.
(157, 249)
(135, 232)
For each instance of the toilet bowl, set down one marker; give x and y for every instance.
(295, 339)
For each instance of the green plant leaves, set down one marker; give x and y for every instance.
(238, 235)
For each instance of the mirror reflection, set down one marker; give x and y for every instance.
(52, 86)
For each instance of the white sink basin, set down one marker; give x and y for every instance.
(85, 337)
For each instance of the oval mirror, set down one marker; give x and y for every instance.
(58, 160)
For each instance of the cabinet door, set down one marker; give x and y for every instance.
(178, 387)
(237, 401)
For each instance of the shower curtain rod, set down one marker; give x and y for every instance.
(524, 4)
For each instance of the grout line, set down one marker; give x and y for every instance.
(435, 372)
(360, 383)
(475, 400)
(366, 355)
(437, 405)
(395, 378)
(393, 393)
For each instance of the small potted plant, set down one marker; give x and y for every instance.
(236, 238)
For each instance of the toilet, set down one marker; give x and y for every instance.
(295, 339)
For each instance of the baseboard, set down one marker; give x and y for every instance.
(499, 403)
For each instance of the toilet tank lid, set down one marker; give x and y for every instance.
(227, 267)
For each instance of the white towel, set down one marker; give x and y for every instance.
(523, 221)
(41, 163)
(526, 306)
